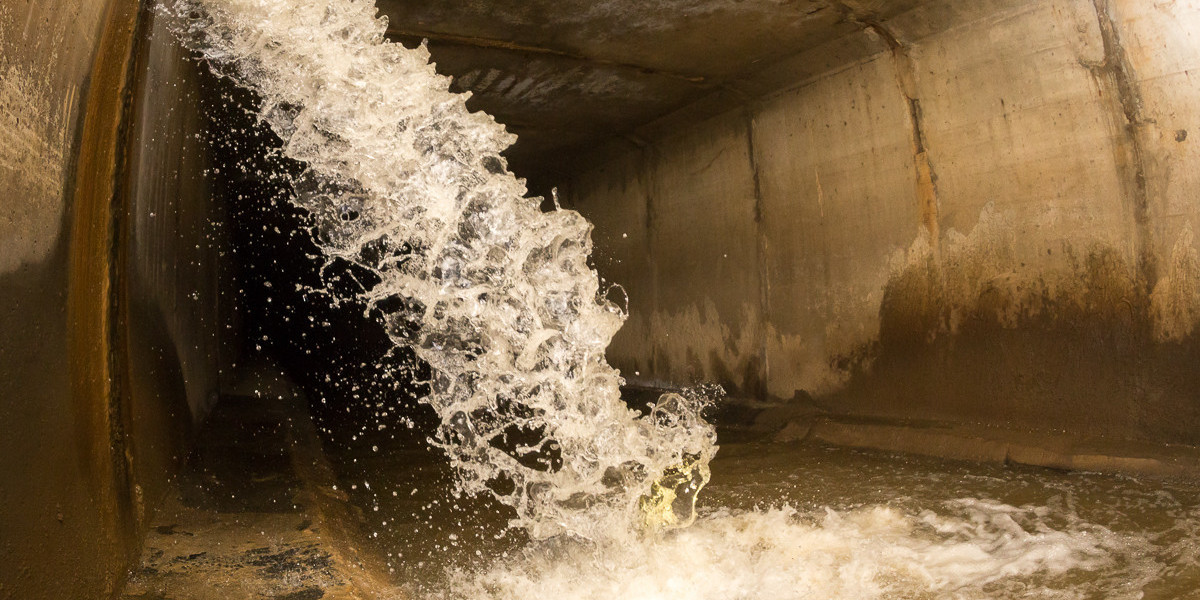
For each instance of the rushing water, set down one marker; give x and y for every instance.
(494, 294)
(497, 297)
(785, 522)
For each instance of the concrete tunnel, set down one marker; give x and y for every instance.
(953, 228)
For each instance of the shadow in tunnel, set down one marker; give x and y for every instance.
(300, 309)
(302, 312)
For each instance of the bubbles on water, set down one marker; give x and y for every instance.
(406, 185)
(965, 550)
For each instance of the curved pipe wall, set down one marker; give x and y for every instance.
(971, 212)
(110, 275)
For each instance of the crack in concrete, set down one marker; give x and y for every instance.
(1116, 79)
(761, 249)
(926, 175)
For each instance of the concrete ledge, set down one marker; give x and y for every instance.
(987, 444)
(255, 514)
(337, 517)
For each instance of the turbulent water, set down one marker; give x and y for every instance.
(493, 293)
(969, 549)
(498, 298)
(782, 522)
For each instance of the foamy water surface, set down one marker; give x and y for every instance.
(810, 522)
(542, 493)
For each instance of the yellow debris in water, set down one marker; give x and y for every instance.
(671, 502)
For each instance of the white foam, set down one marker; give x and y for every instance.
(496, 296)
(968, 549)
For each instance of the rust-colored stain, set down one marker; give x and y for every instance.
(927, 198)
(89, 299)
(926, 178)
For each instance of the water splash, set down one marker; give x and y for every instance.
(495, 295)
(966, 550)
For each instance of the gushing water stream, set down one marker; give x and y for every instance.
(498, 298)
(494, 294)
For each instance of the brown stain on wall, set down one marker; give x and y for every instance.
(906, 75)
(927, 196)
(91, 304)
(1044, 317)
(994, 343)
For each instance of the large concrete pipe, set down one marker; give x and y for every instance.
(956, 227)
(955, 212)
(109, 273)
(922, 211)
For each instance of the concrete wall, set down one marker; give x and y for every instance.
(109, 286)
(976, 212)
(177, 322)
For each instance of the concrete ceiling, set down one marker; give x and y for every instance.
(567, 74)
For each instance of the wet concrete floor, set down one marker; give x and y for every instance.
(242, 521)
